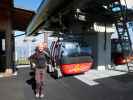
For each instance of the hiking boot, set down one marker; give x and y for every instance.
(37, 95)
(42, 96)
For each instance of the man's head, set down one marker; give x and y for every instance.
(40, 47)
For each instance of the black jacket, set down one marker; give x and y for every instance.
(41, 59)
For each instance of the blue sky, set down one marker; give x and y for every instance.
(27, 4)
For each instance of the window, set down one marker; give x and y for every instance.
(75, 49)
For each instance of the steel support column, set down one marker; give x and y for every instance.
(13, 53)
(46, 37)
(8, 42)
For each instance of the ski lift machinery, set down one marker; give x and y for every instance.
(62, 14)
(122, 29)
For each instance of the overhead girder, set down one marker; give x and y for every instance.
(57, 15)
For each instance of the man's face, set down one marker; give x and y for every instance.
(40, 47)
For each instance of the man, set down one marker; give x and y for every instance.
(40, 59)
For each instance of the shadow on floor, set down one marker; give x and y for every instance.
(31, 81)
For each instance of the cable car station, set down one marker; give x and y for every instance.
(83, 55)
(95, 21)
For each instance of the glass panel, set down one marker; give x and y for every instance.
(75, 49)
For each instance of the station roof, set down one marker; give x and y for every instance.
(19, 17)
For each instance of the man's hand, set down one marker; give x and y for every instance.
(33, 65)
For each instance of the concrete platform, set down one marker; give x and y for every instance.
(93, 85)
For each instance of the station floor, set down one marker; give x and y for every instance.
(92, 85)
